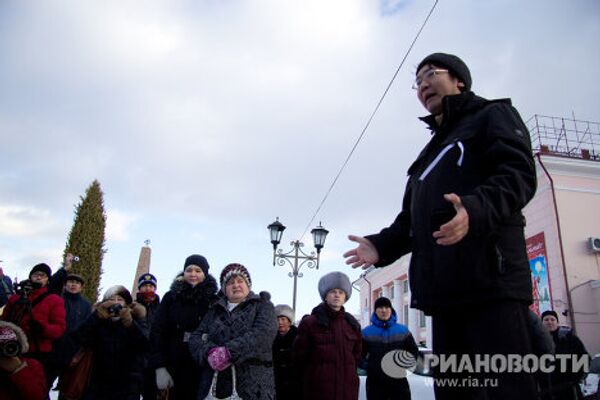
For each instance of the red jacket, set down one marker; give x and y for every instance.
(29, 383)
(327, 350)
(49, 314)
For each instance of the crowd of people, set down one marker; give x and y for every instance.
(210, 338)
(461, 219)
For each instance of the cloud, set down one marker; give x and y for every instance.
(19, 221)
(119, 224)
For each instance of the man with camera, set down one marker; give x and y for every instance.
(39, 313)
(21, 378)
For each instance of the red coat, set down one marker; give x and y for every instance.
(327, 350)
(29, 383)
(49, 313)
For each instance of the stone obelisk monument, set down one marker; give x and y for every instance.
(143, 266)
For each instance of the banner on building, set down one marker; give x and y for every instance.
(540, 279)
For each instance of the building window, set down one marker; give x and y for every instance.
(405, 286)
(421, 319)
(405, 314)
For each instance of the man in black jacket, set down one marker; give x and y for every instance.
(461, 219)
(147, 297)
(563, 383)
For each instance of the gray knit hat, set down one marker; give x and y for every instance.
(335, 280)
(455, 65)
(283, 310)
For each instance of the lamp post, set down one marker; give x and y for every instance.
(296, 258)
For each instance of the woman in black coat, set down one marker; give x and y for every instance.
(287, 379)
(180, 311)
(118, 336)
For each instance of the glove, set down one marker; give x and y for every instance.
(36, 327)
(219, 358)
(163, 379)
(126, 317)
(102, 309)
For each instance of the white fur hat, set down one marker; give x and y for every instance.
(283, 310)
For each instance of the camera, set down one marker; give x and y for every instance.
(75, 259)
(23, 288)
(115, 309)
(9, 348)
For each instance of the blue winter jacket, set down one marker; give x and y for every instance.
(381, 337)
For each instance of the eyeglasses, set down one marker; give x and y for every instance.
(427, 76)
(39, 274)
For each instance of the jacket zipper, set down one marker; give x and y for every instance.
(442, 153)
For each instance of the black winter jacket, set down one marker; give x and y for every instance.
(287, 378)
(118, 355)
(78, 309)
(178, 315)
(151, 307)
(481, 152)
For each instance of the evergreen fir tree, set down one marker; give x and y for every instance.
(86, 240)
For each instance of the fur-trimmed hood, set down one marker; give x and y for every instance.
(21, 336)
(138, 311)
(204, 291)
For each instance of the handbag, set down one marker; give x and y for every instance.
(75, 378)
(212, 393)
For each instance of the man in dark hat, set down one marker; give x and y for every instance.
(563, 384)
(387, 338)
(77, 309)
(148, 297)
(461, 219)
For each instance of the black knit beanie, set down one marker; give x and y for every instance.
(549, 312)
(197, 259)
(454, 64)
(41, 268)
(383, 302)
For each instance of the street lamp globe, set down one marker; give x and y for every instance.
(276, 230)
(319, 235)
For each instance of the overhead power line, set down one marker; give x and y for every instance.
(364, 130)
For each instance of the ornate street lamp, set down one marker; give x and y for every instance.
(296, 254)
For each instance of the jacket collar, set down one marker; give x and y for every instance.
(454, 107)
(222, 301)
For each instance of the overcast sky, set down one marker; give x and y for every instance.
(204, 120)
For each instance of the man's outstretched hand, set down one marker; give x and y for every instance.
(457, 228)
(364, 255)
